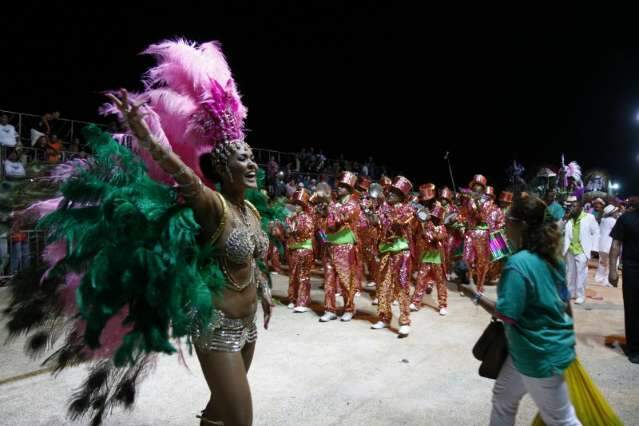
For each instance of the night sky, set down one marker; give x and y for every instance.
(360, 80)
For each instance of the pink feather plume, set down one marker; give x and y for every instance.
(190, 84)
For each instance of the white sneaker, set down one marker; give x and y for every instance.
(291, 305)
(379, 325)
(338, 294)
(580, 301)
(413, 308)
(375, 301)
(301, 309)
(357, 294)
(328, 316)
(404, 330)
(371, 285)
(395, 302)
(347, 317)
(443, 312)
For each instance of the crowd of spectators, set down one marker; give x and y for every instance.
(49, 140)
(309, 167)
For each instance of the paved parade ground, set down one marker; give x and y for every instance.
(311, 373)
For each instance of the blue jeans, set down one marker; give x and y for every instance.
(20, 256)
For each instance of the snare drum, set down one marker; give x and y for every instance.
(499, 247)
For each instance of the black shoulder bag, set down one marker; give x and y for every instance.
(491, 349)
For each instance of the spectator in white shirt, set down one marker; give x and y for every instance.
(13, 168)
(8, 135)
(607, 222)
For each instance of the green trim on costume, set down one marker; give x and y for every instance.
(343, 236)
(396, 246)
(432, 256)
(307, 244)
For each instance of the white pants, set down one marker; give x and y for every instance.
(550, 395)
(602, 269)
(576, 274)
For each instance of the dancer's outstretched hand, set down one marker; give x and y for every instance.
(132, 114)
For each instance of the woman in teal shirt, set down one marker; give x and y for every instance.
(534, 304)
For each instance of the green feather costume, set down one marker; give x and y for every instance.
(135, 247)
(125, 278)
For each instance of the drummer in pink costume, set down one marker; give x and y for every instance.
(300, 233)
(343, 216)
(395, 219)
(430, 239)
(454, 227)
(476, 240)
(367, 234)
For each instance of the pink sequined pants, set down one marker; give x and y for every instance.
(299, 283)
(430, 274)
(369, 251)
(340, 270)
(394, 281)
(477, 256)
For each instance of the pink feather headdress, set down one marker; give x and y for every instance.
(192, 104)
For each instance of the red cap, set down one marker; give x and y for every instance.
(403, 185)
(363, 183)
(385, 181)
(347, 178)
(301, 197)
(427, 192)
(446, 194)
(506, 197)
(478, 180)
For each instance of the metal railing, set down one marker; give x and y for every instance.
(67, 130)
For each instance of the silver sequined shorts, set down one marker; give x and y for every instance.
(226, 334)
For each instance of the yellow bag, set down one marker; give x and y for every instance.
(591, 406)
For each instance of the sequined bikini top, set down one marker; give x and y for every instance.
(246, 242)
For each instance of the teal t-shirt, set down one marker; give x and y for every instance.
(532, 295)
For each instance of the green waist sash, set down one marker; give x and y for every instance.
(432, 256)
(396, 246)
(307, 244)
(344, 236)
